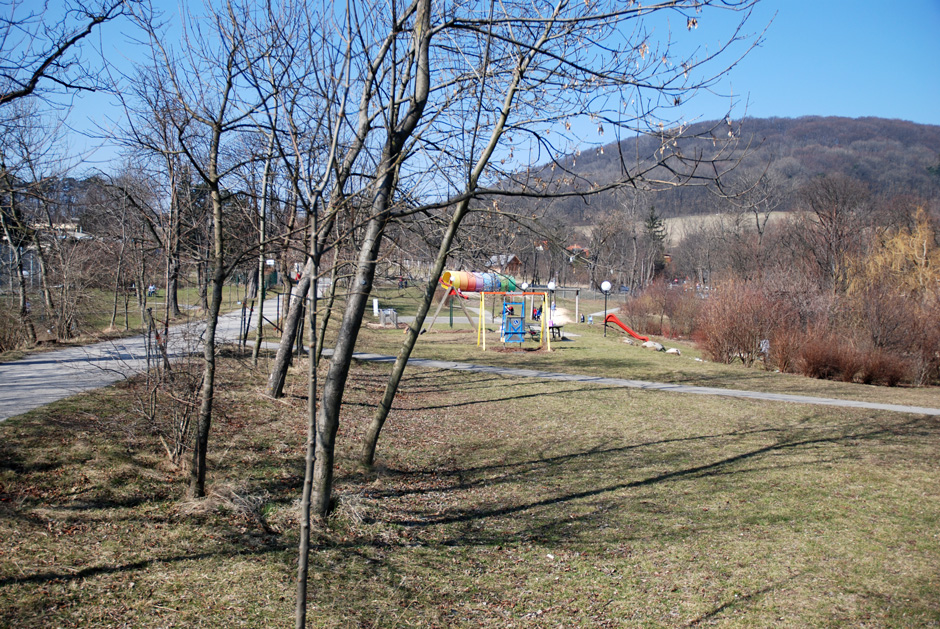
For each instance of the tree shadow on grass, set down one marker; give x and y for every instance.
(516, 470)
(739, 601)
(457, 515)
(143, 564)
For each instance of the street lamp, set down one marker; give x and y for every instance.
(551, 301)
(605, 286)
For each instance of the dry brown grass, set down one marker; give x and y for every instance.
(496, 502)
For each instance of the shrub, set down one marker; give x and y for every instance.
(820, 357)
(786, 342)
(880, 367)
(737, 319)
(683, 309)
(925, 346)
(636, 314)
(11, 330)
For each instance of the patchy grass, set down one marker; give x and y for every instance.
(495, 502)
(588, 352)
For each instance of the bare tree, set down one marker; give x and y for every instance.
(539, 57)
(836, 214)
(207, 78)
(41, 50)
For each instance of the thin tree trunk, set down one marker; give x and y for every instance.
(335, 383)
(22, 298)
(288, 334)
(370, 439)
(48, 301)
(118, 283)
(203, 285)
(17, 254)
(327, 311)
(173, 265)
(207, 394)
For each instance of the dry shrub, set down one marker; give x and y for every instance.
(167, 403)
(880, 367)
(635, 313)
(737, 319)
(11, 330)
(786, 343)
(663, 310)
(829, 356)
(821, 357)
(925, 338)
(683, 310)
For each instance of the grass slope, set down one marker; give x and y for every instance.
(496, 502)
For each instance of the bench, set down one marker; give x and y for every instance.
(535, 332)
(557, 331)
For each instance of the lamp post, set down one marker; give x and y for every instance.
(551, 302)
(605, 286)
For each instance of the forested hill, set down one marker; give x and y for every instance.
(891, 156)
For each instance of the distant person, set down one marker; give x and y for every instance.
(582, 317)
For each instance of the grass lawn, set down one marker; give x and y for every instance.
(495, 502)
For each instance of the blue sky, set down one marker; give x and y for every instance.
(839, 58)
(850, 58)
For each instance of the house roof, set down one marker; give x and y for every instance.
(504, 259)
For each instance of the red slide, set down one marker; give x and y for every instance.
(612, 319)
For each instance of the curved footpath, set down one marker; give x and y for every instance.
(44, 378)
(653, 386)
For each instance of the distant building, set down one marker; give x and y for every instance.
(577, 253)
(506, 263)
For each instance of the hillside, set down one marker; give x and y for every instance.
(892, 157)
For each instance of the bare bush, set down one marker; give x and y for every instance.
(167, 402)
(738, 319)
(636, 314)
(880, 367)
(822, 357)
(924, 332)
(11, 333)
(786, 342)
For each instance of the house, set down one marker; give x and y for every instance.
(507, 264)
(577, 253)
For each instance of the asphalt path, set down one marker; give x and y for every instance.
(46, 377)
(652, 386)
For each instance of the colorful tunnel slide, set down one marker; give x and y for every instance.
(612, 319)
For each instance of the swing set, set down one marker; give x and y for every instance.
(513, 328)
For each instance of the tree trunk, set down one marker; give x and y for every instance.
(327, 311)
(172, 286)
(197, 485)
(288, 334)
(13, 232)
(335, 383)
(370, 439)
(203, 281)
(22, 298)
(48, 301)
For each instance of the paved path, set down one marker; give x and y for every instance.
(652, 386)
(50, 376)
(47, 377)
